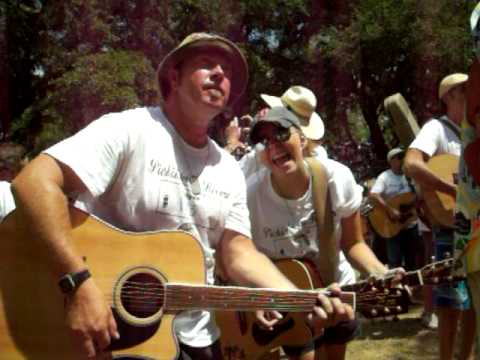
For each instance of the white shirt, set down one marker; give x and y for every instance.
(139, 172)
(284, 228)
(7, 204)
(435, 139)
(389, 184)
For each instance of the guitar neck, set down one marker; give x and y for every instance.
(432, 274)
(179, 297)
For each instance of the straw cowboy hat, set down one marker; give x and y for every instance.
(302, 102)
(449, 82)
(198, 40)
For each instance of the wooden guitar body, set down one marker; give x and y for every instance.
(31, 306)
(243, 339)
(386, 227)
(440, 207)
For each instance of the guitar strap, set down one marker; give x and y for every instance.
(328, 251)
(446, 122)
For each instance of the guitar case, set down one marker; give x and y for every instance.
(405, 123)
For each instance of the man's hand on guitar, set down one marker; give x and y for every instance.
(393, 214)
(329, 311)
(90, 321)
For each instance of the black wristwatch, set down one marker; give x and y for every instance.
(71, 281)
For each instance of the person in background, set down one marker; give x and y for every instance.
(284, 226)
(441, 136)
(155, 168)
(467, 235)
(401, 248)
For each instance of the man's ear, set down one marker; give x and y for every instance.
(173, 77)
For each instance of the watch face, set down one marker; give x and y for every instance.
(66, 284)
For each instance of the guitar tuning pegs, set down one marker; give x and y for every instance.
(398, 308)
(386, 311)
(374, 312)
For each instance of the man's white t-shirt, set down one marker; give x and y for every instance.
(283, 228)
(139, 173)
(435, 139)
(389, 184)
(7, 204)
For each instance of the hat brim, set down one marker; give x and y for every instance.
(315, 128)
(272, 101)
(239, 63)
(390, 156)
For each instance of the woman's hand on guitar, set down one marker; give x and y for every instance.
(389, 278)
(268, 319)
(90, 321)
(330, 310)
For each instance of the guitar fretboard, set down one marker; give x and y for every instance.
(180, 297)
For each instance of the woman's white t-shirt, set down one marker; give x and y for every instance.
(284, 228)
(139, 172)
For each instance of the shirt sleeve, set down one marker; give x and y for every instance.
(7, 204)
(379, 186)
(345, 193)
(95, 153)
(428, 137)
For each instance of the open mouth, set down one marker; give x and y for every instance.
(280, 159)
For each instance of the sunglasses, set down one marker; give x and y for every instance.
(280, 135)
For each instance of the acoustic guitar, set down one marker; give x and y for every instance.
(386, 227)
(146, 277)
(439, 207)
(243, 339)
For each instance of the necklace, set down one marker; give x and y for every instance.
(191, 182)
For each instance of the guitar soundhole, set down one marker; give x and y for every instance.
(142, 295)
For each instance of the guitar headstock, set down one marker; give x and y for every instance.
(442, 272)
(381, 302)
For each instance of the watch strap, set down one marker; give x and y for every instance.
(71, 281)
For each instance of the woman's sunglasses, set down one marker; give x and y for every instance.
(279, 136)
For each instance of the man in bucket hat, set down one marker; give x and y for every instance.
(442, 136)
(148, 169)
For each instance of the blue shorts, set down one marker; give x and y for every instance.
(453, 296)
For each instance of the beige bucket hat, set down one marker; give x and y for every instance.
(302, 102)
(449, 82)
(202, 40)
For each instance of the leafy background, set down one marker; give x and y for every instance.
(64, 63)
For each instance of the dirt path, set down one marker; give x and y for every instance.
(386, 339)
